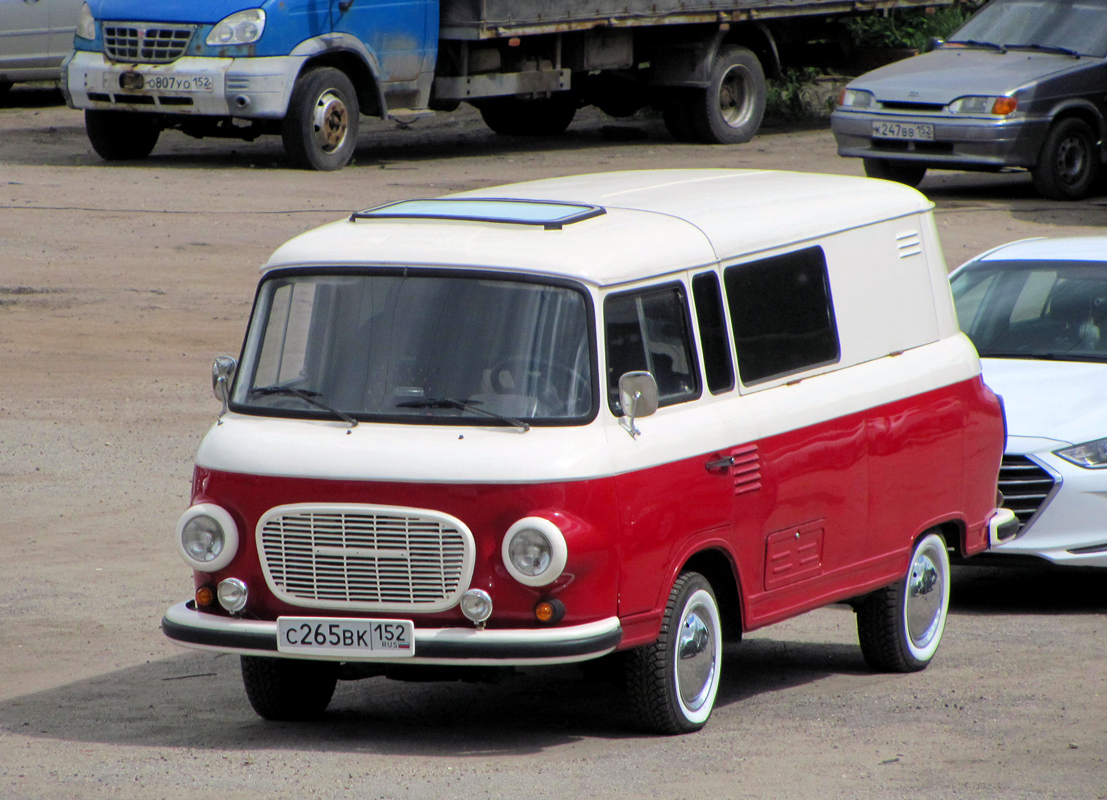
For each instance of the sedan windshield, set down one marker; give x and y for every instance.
(1064, 26)
(1034, 309)
(424, 347)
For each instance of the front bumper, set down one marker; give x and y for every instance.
(458, 646)
(959, 142)
(246, 88)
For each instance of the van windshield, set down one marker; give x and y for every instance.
(418, 347)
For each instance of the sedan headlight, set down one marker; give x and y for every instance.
(207, 537)
(998, 106)
(242, 27)
(86, 24)
(1090, 455)
(856, 98)
(534, 551)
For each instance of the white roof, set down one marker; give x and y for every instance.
(1073, 248)
(656, 222)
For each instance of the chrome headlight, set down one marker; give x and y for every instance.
(856, 98)
(998, 106)
(1090, 455)
(534, 551)
(242, 27)
(86, 25)
(207, 537)
(232, 594)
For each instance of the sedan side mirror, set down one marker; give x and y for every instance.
(637, 397)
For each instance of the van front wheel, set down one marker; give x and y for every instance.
(285, 689)
(900, 626)
(672, 683)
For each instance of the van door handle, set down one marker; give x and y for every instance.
(720, 463)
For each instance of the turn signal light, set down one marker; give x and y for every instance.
(1004, 106)
(205, 596)
(549, 611)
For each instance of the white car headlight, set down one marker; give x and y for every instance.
(856, 98)
(534, 551)
(1090, 455)
(242, 27)
(998, 106)
(207, 537)
(86, 25)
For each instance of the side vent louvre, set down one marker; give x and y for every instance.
(909, 244)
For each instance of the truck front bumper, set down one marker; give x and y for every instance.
(458, 646)
(247, 88)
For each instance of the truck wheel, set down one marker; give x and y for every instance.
(672, 683)
(906, 173)
(730, 109)
(320, 129)
(283, 689)
(511, 116)
(121, 135)
(1069, 161)
(900, 626)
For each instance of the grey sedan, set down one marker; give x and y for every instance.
(1022, 84)
(35, 37)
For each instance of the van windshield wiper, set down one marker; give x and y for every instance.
(1045, 48)
(978, 43)
(305, 395)
(463, 405)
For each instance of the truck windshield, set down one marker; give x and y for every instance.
(441, 349)
(1074, 26)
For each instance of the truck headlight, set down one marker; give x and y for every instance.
(1090, 455)
(998, 106)
(242, 27)
(86, 24)
(534, 551)
(207, 537)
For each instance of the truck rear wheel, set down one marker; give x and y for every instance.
(285, 689)
(121, 135)
(730, 109)
(511, 116)
(900, 626)
(320, 129)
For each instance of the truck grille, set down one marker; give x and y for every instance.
(1026, 486)
(146, 42)
(365, 557)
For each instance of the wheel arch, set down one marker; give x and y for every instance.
(1086, 112)
(756, 37)
(717, 566)
(358, 70)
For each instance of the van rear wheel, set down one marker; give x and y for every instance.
(286, 689)
(672, 683)
(900, 626)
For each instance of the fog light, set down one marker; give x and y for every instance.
(204, 596)
(476, 605)
(232, 595)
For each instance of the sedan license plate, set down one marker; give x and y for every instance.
(351, 638)
(920, 131)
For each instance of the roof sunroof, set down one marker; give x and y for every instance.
(549, 215)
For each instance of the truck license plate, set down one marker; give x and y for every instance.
(352, 638)
(136, 81)
(920, 131)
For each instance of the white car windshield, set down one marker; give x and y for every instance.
(418, 346)
(1034, 309)
(1070, 26)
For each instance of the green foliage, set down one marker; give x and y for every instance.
(909, 27)
(795, 96)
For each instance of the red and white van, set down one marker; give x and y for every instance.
(634, 413)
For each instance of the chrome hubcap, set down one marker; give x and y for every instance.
(695, 663)
(734, 97)
(331, 121)
(924, 599)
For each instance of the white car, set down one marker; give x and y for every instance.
(35, 37)
(1037, 312)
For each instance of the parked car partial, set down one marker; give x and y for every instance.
(35, 37)
(1023, 84)
(1037, 312)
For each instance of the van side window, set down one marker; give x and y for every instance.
(708, 297)
(649, 330)
(782, 315)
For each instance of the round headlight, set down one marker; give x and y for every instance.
(232, 595)
(534, 551)
(476, 605)
(207, 537)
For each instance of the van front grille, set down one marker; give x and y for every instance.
(365, 557)
(146, 42)
(1026, 486)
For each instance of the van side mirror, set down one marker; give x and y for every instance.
(637, 397)
(222, 376)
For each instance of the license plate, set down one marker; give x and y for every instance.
(922, 131)
(352, 638)
(136, 81)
